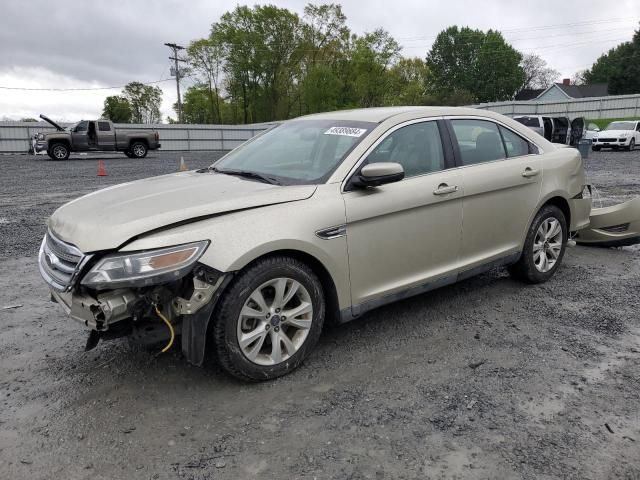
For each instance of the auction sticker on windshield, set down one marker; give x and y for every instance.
(346, 131)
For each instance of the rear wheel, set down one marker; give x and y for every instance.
(139, 150)
(59, 151)
(269, 320)
(544, 246)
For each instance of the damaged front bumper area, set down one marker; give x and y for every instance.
(186, 302)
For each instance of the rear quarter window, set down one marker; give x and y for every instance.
(515, 145)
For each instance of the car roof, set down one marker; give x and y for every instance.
(380, 114)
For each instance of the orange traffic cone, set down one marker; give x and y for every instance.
(101, 171)
(183, 166)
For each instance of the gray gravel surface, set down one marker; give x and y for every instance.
(488, 378)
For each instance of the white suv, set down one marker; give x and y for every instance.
(625, 135)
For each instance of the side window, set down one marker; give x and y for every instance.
(82, 127)
(515, 144)
(104, 126)
(417, 147)
(638, 127)
(478, 141)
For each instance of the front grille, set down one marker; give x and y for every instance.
(60, 262)
(607, 140)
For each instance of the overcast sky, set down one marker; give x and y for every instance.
(76, 44)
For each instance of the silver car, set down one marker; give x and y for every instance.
(319, 219)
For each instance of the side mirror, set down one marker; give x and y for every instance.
(376, 174)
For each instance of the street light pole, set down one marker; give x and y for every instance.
(175, 58)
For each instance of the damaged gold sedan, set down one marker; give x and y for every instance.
(321, 218)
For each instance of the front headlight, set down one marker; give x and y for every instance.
(140, 269)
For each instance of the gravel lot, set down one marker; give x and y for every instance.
(484, 379)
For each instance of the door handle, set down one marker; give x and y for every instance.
(444, 189)
(528, 173)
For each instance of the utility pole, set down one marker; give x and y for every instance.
(175, 58)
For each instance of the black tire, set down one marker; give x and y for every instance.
(226, 317)
(525, 269)
(58, 151)
(632, 145)
(129, 154)
(138, 149)
(595, 149)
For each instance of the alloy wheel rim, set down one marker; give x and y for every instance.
(547, 244)
(275, 321)
(59, 152)
(138, 150)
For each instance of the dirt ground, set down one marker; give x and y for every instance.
(484, 379)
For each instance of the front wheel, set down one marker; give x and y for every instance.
(269, 319)
(59, 151)
(544, 246)
(139, 150)
(632, 145)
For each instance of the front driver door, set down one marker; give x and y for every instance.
(405, 235)
(79, 138)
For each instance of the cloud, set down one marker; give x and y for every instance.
(45, 44)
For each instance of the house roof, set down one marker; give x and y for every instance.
(529, 93)
(584, 91)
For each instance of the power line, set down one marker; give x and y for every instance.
(80, 89)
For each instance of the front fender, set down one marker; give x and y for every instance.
(239, 238)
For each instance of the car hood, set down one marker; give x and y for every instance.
(48, 120)
(108, 218)
(613, 133)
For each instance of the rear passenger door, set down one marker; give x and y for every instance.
(501, 176)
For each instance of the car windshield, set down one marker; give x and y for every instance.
(621, 126)
(297, 152)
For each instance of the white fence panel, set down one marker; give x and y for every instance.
(15, 137)
(619, 106)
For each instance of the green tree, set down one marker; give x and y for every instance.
(408, 83)
(262, 55)
(206, 58)
(373, 55)
(145, 102)
(196, 106)
(117, 109)
(482, 64)
(323, 82)
(619, 67)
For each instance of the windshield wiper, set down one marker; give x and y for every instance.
(247, 174)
